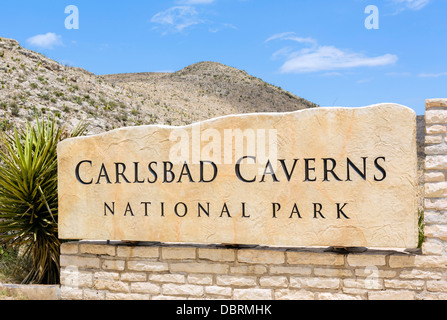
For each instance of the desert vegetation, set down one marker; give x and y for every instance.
(29, 200)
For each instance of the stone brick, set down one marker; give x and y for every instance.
(404, 284)
(249, 269)
(368, 272)
(126, 296)
(436, 116)
(168, 253)
(265, 276)
(355, 291)
(145, 265)
(436, 129)
(133, 276)
(432, 247)
(434, 177)
(217, 290)
(433, 139)
(420, 274)
(290, 294)
(113, 264)
(237, 281)
(217, 254)
(433, 103)
(401, 261)
(172, 278)
(364, 260)
(292, 270)
(431, 262)
(435, 190)
(76, 279)
(199, 267)
(145, 287)
(435, 217)
(252, 294)
(336, 296)
(312, 258)
(111, 285)
(90, 294)
(435, 204)
(438, 162)
(436, 231)
(431, 296)
(163, 297)
(330, 272)
(370, 283)
(103, 275)
(70, 248)
(204, 279)
(182, 289)
(97, 249)
(438, 149)
(316, 283)
(437, 286)
(261, 256)
(274, 281)
(137, 252)
(418, 261)
(391, 295)
(69, 293)
(80, 262)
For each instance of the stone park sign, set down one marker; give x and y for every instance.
(316, 177)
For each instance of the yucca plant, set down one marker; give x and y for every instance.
(29, 198)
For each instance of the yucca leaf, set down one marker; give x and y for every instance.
(28, 195)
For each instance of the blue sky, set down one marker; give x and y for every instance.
(319, 50)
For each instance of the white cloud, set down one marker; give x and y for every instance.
(179, 18)
(45, 41)
(219, 27)
(414, 5)
(324, 58)
(432, 75)
(291, 36)
(176, 19)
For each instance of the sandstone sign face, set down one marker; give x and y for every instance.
(316, 177)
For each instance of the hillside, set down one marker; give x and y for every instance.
(31, 84)
(208, 89)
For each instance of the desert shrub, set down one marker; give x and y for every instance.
(29, 198)
(10, 270)
(15, 109)
(5, 125)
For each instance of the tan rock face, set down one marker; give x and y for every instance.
(317, 177)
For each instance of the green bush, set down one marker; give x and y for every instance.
(10, 270)
(29, 198)
(5, 125)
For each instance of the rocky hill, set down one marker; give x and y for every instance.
(208, 89)
(31, 84)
